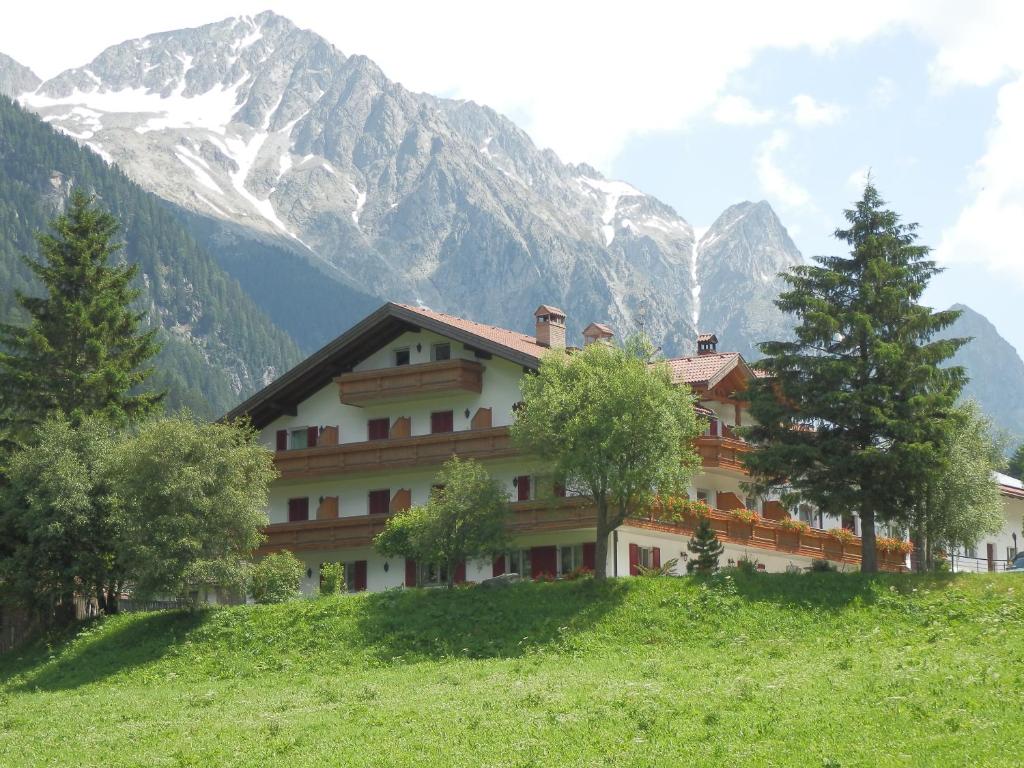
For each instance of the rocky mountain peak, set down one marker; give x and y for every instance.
(16, 78)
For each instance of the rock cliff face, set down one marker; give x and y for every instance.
(16, 78)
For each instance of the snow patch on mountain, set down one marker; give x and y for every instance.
(613, 192)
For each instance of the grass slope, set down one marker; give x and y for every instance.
(814, 670)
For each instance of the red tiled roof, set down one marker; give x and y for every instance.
(706, 337)
(602, 327)
(700, 369)
(546, 309)
(514, 340)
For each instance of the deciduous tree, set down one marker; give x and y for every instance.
(464, 519)
(610, 425)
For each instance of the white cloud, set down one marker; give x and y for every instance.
(807, 111)
(856, 180)
(884, 92)
(988, 229)
(738, 110)
(775, 183)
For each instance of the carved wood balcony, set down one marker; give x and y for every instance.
(722, 452)
(408, 381)
(378, 455)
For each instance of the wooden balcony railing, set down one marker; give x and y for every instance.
(377, 455)
(768, 534)
(722, 452)
(408, 381)
(542, 516)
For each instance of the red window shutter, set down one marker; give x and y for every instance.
(312, 433)
(499, 566)
(359, 577)
(442, 421)
(378, 429)
(298, 510)
(543, 561)
(656, 557)
(410, 572)
(380, 501)
(460, 573)
(713, 427)
(282, 439)
(523, 488)
(589, 555)
(634, 560)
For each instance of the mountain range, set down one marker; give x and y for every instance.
(322, 188)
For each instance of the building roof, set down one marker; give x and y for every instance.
(706, 370)
(707, 337)
(1009, 486)
(600, 328)
(545, 309)
(512, 340)
(367, 336)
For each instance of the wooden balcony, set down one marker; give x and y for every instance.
(379, 455)
(722, 452)
(769, 535)
(359, 530)
(408, 381)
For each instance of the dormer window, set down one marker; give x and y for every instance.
(441, 352)
(402, 356)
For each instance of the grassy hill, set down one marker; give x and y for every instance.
(813, 670)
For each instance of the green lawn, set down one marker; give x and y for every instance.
(812, 670)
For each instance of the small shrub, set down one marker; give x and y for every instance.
(665, 569)
(747, 565)
(332, 578)
(579, 573)
(276, 578)
(545, 576)
(822, 566)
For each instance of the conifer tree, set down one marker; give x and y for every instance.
(706, 547)
(851, 412)
(1016, 466)
(81, 352)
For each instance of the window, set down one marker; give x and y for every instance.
(571, 558)
(806, 514)
(355, 576)
(378, 429)
(518, 561)
(751, 503)
(431, 574)
(298, 510)
(441, 352)
(298, 438)
(522, 484)
(442, 421)
(380, 501)
(703, 495)
(1011, 552)
(402, 356)
(645, 557)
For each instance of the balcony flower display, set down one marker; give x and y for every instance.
(842, 535)
(789, 524)
(744, 515)
(894, 545)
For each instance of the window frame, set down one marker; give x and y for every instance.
(378, 493)
(378, 421)
(434, 348)
(397, 356)
(447, 418)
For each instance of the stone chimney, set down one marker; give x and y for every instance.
(597, 332)
(707, 344)
(550, 327)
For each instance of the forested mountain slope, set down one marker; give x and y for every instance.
(217, 344)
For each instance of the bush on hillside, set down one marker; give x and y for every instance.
(332, 578)
(822, 566)
(276, 578)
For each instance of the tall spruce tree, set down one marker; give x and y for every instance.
(850, 412)
(82, 351)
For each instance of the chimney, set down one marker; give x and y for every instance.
(597, 332)
(550, 327)
(707, 343)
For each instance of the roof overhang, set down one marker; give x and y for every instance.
(376, 330)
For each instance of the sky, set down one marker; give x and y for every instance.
(702, 104)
